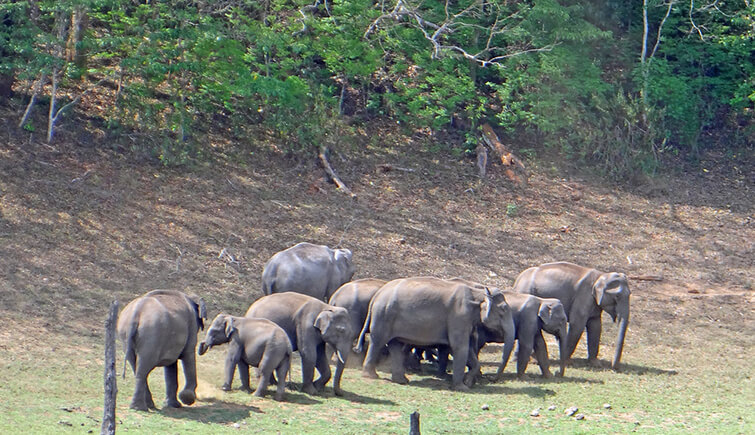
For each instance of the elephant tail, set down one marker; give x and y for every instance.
(268, 286)
(130, 356)
(360, 343)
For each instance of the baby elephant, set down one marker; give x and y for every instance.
(253, 342)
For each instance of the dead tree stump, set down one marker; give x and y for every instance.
(111, 387)
(414, 423)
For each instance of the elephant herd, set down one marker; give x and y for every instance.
(444, 317)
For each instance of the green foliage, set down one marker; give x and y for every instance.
(564, 74)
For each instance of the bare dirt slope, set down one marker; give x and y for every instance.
(81, 225)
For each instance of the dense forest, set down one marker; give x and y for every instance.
(613, 83)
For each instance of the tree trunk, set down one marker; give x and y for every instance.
(111, 386)
(74, 51)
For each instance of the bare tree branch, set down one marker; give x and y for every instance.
(440, 34)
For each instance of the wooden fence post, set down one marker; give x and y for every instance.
(414, 423)
(111, 387)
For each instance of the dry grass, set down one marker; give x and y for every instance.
(81, 225)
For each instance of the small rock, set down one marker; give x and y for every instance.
(571, 411)
(579, 416)
(552, 408)
(236, 425)
(492, 274)
(607, 405)
(535, 413)
(485, 407)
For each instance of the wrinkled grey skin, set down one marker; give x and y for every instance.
(355, 296)
(427, 311)
(313, 270)
(585, 293)
(157, 330)
(253, 342)
(310, 324)
(532, 316)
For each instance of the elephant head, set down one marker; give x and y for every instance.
(553, 317)
(343, 266)
(335, 327)
(611, 292)
(219, 333)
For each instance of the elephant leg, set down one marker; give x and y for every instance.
(244, 376)
(282, 371)
(377, 343)
(460, 353)
(523, 355)
(572, 338)
(474, 367)
(230, 370)
(148, 397)
(308, 361)
(142, 396)
(594, 327)
(323, 367)
(171, 385)
(398, 354)
(541, 355)
(266, 368)
(188, 394)
(443, 361)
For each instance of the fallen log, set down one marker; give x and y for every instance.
(332, 174)
(646, 277)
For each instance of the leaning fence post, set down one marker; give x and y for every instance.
(111, 387)
(414, 423)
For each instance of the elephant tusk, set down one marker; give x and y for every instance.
(340, 357)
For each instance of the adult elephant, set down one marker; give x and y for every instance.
(585, 293)
(355, 296)
(157, 330)
(532, 315)
(313, 270)
(428, 311)
(310, 324)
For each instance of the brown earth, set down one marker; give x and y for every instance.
(83, 223)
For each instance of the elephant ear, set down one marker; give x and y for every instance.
(545, 313)
(229, 326)
(322, 321)
(599, 290)
(486, 306)
(200, 309)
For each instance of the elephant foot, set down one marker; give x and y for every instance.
(187, 397)
(547, 374)
(462, 387)
(594, 362)
(337, 391)
(521, 376)
(246, 388)
(369, 373)
(402, 380)
(139, 406)
(560, 374)
(173, 403)
(226, 387)
(279, 397)
(319, 385)
(259, 393)
(309, 389)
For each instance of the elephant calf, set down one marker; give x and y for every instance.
(585, 293)
(157, 330)
(253, 342)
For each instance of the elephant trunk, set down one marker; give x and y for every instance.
(623, 324)
(203, 348)
(342, 351)
(562, 350)
(508, 345)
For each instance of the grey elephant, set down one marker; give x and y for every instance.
(428, 311)
(253, 342)
(585, 293)
(313, 270)
(532, 315)
(157, 330)
(310, 324)
(355, 296)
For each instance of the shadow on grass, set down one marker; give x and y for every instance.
(634, 369)
(358, 398)
(212, 411)
(484, 388)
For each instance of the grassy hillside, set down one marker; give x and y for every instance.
(81, 225)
